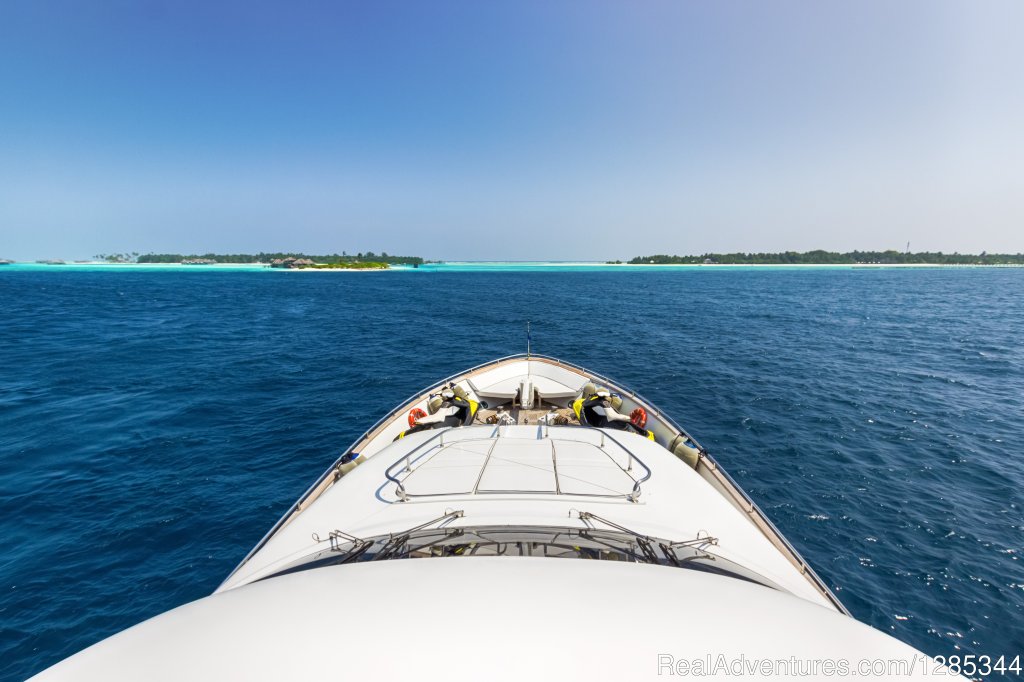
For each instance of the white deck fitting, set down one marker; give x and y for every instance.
(492, 385)
(548, 389)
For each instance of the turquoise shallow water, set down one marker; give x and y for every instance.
(155, 423)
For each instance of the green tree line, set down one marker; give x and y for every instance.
(820, 257)
(261, 257)
(117, 257)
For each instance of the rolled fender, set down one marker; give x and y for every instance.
(683, 448)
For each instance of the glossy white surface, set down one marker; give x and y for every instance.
(480, 619)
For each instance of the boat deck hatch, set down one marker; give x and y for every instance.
(588, 463)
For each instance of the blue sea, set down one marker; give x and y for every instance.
(154, 423)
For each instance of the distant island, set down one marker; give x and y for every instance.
(288, 261)
(306, 263)
(355, 260)
(832, 258)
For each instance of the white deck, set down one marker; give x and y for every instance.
(483, 619)
(500, 459)
(519, 486)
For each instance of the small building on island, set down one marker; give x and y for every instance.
(291, 263)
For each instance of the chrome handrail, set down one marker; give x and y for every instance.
(635, 495)
(407, 460)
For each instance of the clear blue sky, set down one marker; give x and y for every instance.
(519, 130)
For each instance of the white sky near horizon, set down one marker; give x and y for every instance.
(511, 131)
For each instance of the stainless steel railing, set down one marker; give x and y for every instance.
(405, 462)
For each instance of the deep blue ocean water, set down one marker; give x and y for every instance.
(155, 424)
